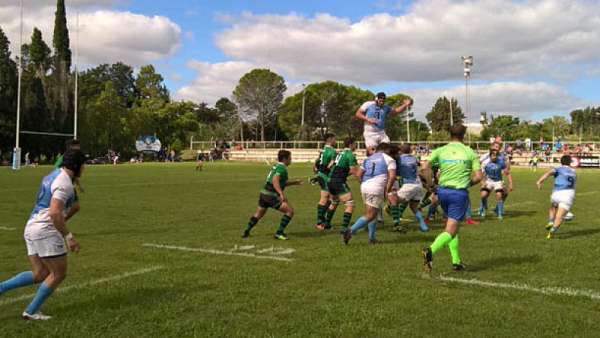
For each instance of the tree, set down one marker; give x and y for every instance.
(8, 96)
(505, 126)
(259, 95)
(39, 54)
(439, 116)
(150, 85)
(62, 65)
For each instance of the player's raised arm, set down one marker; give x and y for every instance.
(544, 178)
(406, 104)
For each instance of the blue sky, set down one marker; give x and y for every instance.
(533, 58)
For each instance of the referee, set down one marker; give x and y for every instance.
(459, 169)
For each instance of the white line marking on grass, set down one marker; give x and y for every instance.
(243, 248)
(587, 193)
(550, 291)
(277, 251)
(216, 252)
(85, 285)
(6, 228)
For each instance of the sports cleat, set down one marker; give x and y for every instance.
(328, 227)
(549, 226)
(482, 212)
(550, 235)
(347, 236)
(458, 267)
(500, 217)
(375, 242)
(35, 316)
(281, 236)
(471, 221)
(320, 227)
(246, 234)
(427, 259)
(400, 228)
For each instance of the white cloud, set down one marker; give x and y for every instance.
(509, 39)
(105, 35)
(515, 98)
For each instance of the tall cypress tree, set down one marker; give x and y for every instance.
(8, 96)
(62, 64)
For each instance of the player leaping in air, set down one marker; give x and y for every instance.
(563, 194)
(272, 196)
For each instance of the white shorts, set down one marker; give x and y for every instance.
(373, 139)
(493, 185)
(373, 200)
(52, 246)
(563, 198)
(410, 192)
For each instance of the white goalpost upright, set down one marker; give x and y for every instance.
(16, 162)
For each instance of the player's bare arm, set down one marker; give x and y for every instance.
(390, 182)
(476, 177)
(360, 114)
(277, 187)
(60, 223)
(544, 177)
(406, 104)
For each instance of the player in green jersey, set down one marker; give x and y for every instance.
(272, 196)
(459, 170)
(344, 166)
(322, 168)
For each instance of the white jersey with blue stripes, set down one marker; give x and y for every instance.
(375, 175)
(58, 185)
(379, 113)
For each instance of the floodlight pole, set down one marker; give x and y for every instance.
(76, 79)
(451, 114)
(408, 125)
(303, 107)
(17, 151)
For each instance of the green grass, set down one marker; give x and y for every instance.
(327, 290)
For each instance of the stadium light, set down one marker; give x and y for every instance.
(303, 107)
(467, 63)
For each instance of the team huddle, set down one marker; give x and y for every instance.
(391, 178)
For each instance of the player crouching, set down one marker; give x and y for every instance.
(493, 182)
(378, 174)
(563, 194)
(272, 196)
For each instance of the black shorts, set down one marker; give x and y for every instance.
(269, 201)
(338, 188)
(322, 183)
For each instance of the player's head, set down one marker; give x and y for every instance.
(458, 131)
(329, 138)
(382, 147)
(72, 144)
(493, 155)
(405, 148)
(566, 160)
(496, 146)
(284, 156)
(74, 160)
(380, 98)
(350, 143)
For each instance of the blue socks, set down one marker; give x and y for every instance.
(361, 223)
(18, 281)
(42, 294)
(484, 204)
(372, 229)
(500, 207)
(469, 215)
(422, 225)
(432, 210)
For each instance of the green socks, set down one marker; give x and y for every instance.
(346, 220)
(395, 211)
(401, 209)
(251, 223)
(330, 214)
(441, 241)
(321, 210)
(453, 246)
(285, 220)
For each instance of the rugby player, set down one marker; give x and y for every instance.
(378, 175)
(322, 168)
(563, 194)
(502, 160)
(46, 232)
(272, 196)
(493, 183)
(411, 189)
(459, 170)
(344, 166)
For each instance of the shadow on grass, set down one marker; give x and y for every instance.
(500, 261)
(578, 233)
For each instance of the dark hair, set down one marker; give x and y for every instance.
(392, 150)
(69, 144)
(458, 131)
(74, 160)
(382, 147)
(565, 160)
(348, 142)
(381, 95)
(405, 148)
(328, 136)
(283, 155)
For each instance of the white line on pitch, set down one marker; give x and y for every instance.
(6, 228)
(586, 193)
(216, 252)
(551, 291)
(84, 285)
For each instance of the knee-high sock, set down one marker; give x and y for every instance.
(347, 219)
(42, 294)
(453, 246)
(360, 223)
(500, 206)
(469, 213)
(401, 209)
(285, 220)
(18, 281)
(421, 220)
(395, 210)
(321, 210)
(251, 223)
(372, 230)
(440, 241)
(432, 211)
(484, 203)
(330, 214)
